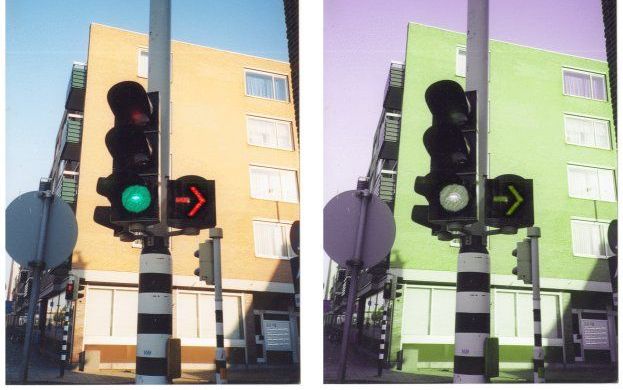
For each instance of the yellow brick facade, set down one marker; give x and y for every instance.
(208, 138)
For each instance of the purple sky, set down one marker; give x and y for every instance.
(361, 37)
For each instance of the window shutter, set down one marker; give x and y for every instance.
(99, 312)
(461, 62)
(207, 321)
(125, 313)
(232, 318)
(524, 315)
(442, 312)
(187, 315)
(288, 186)
(284, 135)
(550, 317)
(606, 185)
(419, 300)
(602, 134)
(505, 314)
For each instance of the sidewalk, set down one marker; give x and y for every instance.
(362, 368)
(43, 370)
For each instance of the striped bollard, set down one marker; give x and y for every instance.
(538, 359)
(472, 326)
(64, 349)
(221, 362)
(382, 343)
(154, 323)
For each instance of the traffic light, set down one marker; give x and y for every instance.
(387, 290)
(79, 287)
(191, 203)
(523, 270)
(509, 202)
(398, 290)
(205, 254)
(450, 187)
(69, 290)
(132, 187)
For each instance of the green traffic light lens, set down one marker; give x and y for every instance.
(454, 197)
(136, 198)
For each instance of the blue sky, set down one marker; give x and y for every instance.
(44, 38)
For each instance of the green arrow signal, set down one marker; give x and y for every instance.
(518, 200)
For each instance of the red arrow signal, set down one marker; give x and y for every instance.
(200, 201)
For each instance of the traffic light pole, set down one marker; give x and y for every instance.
(155, 324)
(64, 343)
(538, 354)
(216, 234)
(382, 342)
(472, 323)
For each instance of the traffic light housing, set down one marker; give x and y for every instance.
(132, 187)
(205, 254)
(523, 270)
(510, 202)
(450, 187)
(69, 290)
(191, 203)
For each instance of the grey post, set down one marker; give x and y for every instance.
(36, 267)
(538, 355)
(354, 267)
(216, 234)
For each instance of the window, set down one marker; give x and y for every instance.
(273, 184)
(461, 61)
(514, 318)
(111, 312)
(143, 62)
(267, 85)
(196, 319)
(270, 133)
(591, 183)
(272, 240)
(584, 84)
(589, 132)
(435, 310)
(589, 239)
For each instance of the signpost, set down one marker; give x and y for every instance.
(41, 233)
(359, 231)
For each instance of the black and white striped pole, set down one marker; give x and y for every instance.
(382, 342)
(216, 234)
(472, 321)
(154, 323)
(65, 341)
(538, 353)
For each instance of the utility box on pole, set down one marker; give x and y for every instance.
(174, 358)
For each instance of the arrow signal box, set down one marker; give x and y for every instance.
(509, 202)
(191, 203)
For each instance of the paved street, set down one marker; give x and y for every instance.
(45, 371)
(362, 368)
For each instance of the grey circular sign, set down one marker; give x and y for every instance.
(341, 217)
(23, 219)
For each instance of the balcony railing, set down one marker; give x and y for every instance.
(68, 188)
(394, 87)
(76, 88)
(72, 135)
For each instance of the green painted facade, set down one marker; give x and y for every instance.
(526, 138)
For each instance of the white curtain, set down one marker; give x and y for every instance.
(587, 240)
(577, 84)
(599, 87)
(583, 182)
(260, 85)
(281, 89)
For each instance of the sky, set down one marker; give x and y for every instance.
(362, 37)
(44, 38)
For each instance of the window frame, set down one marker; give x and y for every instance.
(597, 169)
(273, 75)
(456, 59)
(296, 183)
(593, 120)
(140, 51)
(590, 74)
(275, 122)
(603, 231)
(285, 237)
(111, 339)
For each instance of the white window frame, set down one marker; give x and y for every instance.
(140, 74)
(507, 340)
(603, 231)
(456, 61)
(210, 341)
(274, 76)
(434, 339)
(275, 121)
(296, 183)
(593, 120)
(597, 169)
(107, 340)
(285, 237)
(591, 74)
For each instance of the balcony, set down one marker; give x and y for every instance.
(389, 136)
(384, 186)
(76, 88)
(71, 137)
(68, 188)
(394, 87)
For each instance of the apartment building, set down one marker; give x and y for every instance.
(232, 121)
(550, 119)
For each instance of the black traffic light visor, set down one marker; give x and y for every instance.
(129, 103)
(447, 102)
